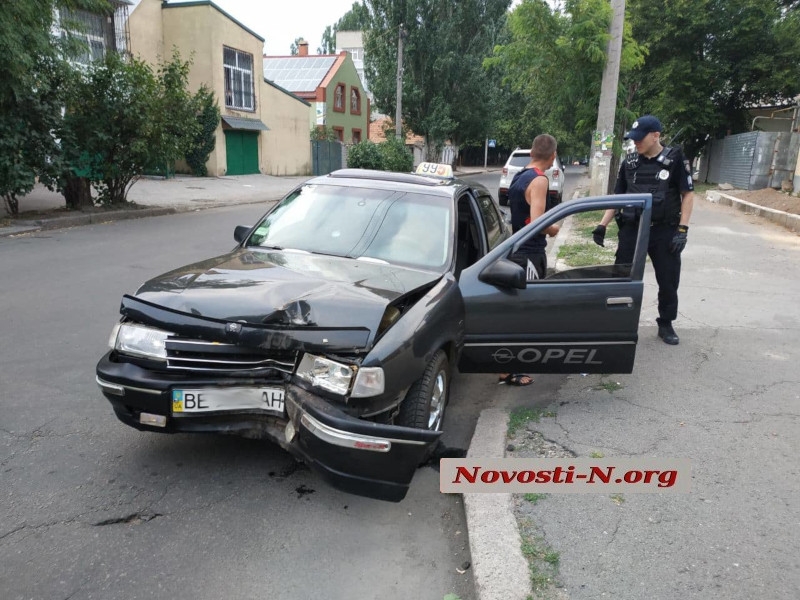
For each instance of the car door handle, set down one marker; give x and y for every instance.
(619, 301)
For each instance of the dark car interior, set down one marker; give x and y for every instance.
(468, 245)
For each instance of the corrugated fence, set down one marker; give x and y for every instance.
(751, 161)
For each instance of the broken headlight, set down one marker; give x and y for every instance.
(138, 340)
(336, 377)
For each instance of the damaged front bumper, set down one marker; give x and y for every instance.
(356, 456)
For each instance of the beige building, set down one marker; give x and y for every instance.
(264, 128)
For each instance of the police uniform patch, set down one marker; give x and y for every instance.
(663, 174)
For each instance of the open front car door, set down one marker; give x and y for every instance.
(583, 317)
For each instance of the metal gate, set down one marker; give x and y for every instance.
(326, 156)
(751, 161)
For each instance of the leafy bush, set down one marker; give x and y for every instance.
(121, 118)
(366, 155)
(202, 144)
(321, 133)
(396, 157)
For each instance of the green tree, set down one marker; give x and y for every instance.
(202, 143)
(396, 157)
(174, 123)
(365, 155)
(355, 19)
(294, 49)
(328, 41)
(709, 60)
(121, 118)
(33, 72)
(551, 66)
(445, 87)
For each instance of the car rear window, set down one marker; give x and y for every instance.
(519, 160)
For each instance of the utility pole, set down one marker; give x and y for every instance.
(398, 115)
(603, 139)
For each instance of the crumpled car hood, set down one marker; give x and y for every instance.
(285, 288)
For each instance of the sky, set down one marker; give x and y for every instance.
(279, 22)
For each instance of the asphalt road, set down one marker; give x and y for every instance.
(93, 509)
(727, 399)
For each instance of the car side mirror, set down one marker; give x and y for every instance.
(504, 273)
(240, 233)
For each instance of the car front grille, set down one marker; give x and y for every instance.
(198, 355)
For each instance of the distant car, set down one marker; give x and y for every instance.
(584, 161)
(333, 326)
(516, 162)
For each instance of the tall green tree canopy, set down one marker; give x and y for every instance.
(552, 64)
(355, 19)
(446, 90)
(709, 60)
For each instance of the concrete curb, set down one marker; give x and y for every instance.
(499, 568)
(784, 219)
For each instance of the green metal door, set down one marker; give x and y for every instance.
(242, 150)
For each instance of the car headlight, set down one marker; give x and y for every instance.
(139, 340)
(336, 377)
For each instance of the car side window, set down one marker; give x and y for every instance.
(469, 245)
(491, 219)
(574, 256)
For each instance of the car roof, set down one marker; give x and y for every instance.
(406, 182)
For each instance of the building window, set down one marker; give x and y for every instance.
(339, 131)
(355, 101)
(90, 30)
(338, 98)
(356, 53)
(239, 91)
(356, 136)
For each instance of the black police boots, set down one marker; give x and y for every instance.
(667, 333)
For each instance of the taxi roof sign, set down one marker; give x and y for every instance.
(435, 170)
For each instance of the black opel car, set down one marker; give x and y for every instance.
(335, 324)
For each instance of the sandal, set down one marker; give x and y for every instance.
(518, 379)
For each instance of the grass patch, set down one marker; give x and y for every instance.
(617, 498)
(702, 188)
(522, 416)
(609, 386)
(585, 254)
(543, 561)
(534, 498)
(596, 454)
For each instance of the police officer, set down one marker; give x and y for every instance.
(666, 174)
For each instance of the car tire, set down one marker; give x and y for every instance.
(503, 200)
(424, 404)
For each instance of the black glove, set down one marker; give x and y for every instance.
(599, 235)
(679, 241)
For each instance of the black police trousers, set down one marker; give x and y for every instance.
(666, 264)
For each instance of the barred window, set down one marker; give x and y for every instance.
(91, 32)
(239, 91)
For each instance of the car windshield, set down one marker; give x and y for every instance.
(383, 225)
